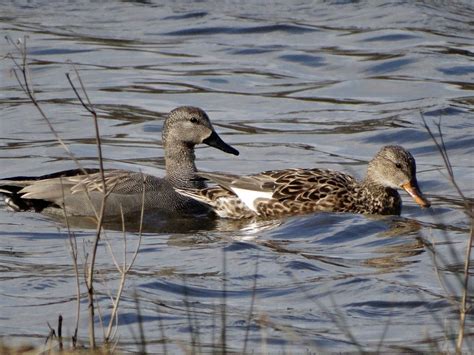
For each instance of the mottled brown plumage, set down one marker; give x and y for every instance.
(277, 193)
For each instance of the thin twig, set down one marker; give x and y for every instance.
(444, 154)
(338, 319)
(51, 335)
(463, 306)
(73, 252)
(192, 332)
(90, 280)
(24, 80)
(162, 330)
(252, 304)
(464, 309)
(25, 83)
(140, 326)
(89, 107)
(125, 269)
(60, 331)
(224, 303)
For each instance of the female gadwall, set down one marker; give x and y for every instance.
(287, 192)
(81, 191)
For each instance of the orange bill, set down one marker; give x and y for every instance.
(412, 188)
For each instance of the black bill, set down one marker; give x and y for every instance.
(215, 141)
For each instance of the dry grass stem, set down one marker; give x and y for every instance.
(224, 303)
(162, 330)
(464, 308)
(252, 305)
(25, 82)
(22, 74)
(74, 256)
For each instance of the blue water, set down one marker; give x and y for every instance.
(290, 85)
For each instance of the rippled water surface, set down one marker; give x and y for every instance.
(304, 84)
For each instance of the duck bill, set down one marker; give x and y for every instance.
(215, 141)
(414, 191)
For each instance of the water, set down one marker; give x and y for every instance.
(289, 85)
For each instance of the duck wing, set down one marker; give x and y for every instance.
(308, 184)
(288, 191)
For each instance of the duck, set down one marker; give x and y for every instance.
(287, 192)
(80, 192)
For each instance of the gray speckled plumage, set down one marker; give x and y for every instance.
(279, 193)
(81, 192)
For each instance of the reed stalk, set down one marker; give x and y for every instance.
(22, 74)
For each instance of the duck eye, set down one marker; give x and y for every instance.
(398, 165)
(194, 120)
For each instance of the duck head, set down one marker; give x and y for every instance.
(395, 167)
(190, 126)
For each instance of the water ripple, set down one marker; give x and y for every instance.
(291, 29)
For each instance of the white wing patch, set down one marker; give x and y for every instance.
(249, 196)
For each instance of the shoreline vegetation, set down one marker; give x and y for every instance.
(88, 277)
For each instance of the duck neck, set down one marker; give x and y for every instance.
(374, 185)
(371, 185)
(377, 198)
(180, 167)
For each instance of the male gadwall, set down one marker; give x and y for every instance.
(80, 192)
(287, 192)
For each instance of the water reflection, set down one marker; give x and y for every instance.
(151, 224)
